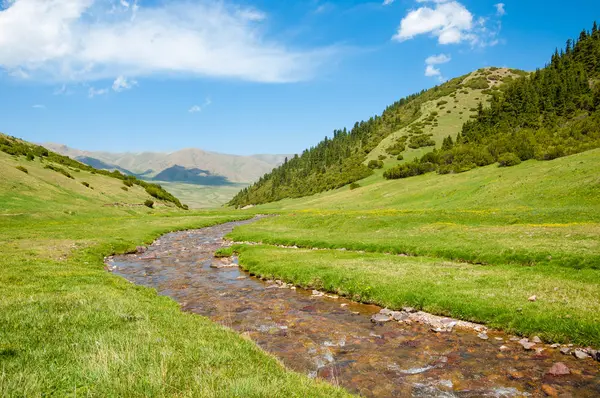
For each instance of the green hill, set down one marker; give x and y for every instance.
(343, 159)
(491, 115)
(36, 178)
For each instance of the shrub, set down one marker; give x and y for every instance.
(381, 157)
(59, 170)
(23, 169)
(149, 203)
(420, 141)
(85, 184)
(125, 189)
(128, 183)
(400, 157)
(508, 159)
(479, 83)
(442, 102)
(354, 185)
(185, 207)
(408, 170)
(30, 156)
(375, 164)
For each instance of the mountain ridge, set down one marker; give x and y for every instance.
(149, 164)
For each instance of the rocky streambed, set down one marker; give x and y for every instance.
(368, 350)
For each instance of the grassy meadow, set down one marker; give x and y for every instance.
(475, 245)
(70, 328)
(202, 196)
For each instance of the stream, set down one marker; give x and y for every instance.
(335, 339)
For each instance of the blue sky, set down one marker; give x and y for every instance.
(243, 76)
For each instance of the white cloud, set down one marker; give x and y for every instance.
(121, 83)
(438, 59)
(500, 10)
(92, 92)
(431, 70)
(87, 40)
(195, 109)
(388, 2)
(39, 106)
(449, 21)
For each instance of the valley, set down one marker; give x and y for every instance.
(446, 247)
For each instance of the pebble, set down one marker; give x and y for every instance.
(380, 318)
(580, 354)
(499, 338)
(555, 345)
(536, 339)
(483, 336)
(343, 305)
(559, 369)
(532, 298)
(408, 309)
(527, 345)
(400, 316)
(504, 348)
(565, 351)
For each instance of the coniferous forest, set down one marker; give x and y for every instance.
(338, 161)
(550, 113)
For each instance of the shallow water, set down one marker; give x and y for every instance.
(334, 339)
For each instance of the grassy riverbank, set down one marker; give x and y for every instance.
(480, 244)
(566, 308)
(68, 327)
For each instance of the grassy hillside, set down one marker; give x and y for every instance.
(451, 112)
(474, 245)
(45, 190)
(334, 162)
(26, 154)
(559, 185)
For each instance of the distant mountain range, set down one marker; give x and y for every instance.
(191, 165)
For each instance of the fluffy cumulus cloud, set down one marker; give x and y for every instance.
(86, 40)
(430, 65)
(450, 22)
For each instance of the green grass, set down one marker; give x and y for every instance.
(566, 309)
(201, 196)
(568, 185)
(507, 233)
(70, 328)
